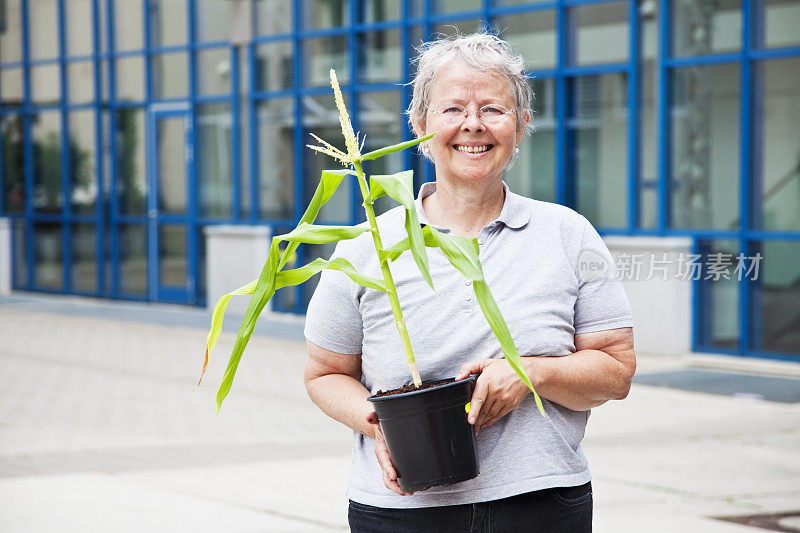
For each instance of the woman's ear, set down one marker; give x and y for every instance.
(526, 118)
(419, 128)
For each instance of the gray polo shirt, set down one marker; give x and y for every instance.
(530, 261)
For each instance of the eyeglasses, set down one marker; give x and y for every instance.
(489, 114)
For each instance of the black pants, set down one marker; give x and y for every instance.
(557, 510)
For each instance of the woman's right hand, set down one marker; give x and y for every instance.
(385, 462)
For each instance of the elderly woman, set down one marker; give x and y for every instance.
(576, 332)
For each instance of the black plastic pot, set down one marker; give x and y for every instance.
(430, 441)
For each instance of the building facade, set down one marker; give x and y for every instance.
(129, 126)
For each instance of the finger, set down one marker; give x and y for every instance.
(478, 398)
(385, 462)
(372, 418)
(491, 409)
(473, 367)
(394, 486)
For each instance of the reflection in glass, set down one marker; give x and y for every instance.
(719, 294)
(167, 22)
(214, 160)
(130, 164)
(20, 258)
(704, 131)
(377, 119)
(273, 16)
(80, 79)
(322, 54)
(276, 158)
(781, 21)
(379, 56)
(601, 34)
(598, 127)
(11, 87)
(172, 256)
(440, 7)
(83, 186)
(214, 71)
(533, 35)
(43, 29)
(47, 256)
(321, 117)
(648, 122)
(47, 195)
(779, 114)
(319, 14)
(79, 27)
(171, 165)
(379, 10)
(11, 36)
(12, 158)
(701, 28)
(45, 84)
(130, 78)
(448, 29)
(777, 298)
(170, 75)
(128, 25)
(133, 259)
(213, 20)
(84, 258)
(274, 66)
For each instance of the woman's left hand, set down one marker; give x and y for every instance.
(498, 391)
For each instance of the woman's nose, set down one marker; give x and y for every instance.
(472, 122)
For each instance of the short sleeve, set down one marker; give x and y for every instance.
(333, 320)
(601, 303)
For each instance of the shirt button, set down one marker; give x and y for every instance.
(480, 241)
(467, 282)
(468, 298)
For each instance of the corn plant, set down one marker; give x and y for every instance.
(461, 252)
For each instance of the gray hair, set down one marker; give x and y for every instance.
(482, 51)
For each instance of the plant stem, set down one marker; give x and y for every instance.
(399, 321)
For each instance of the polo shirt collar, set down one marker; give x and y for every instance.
(515, 213)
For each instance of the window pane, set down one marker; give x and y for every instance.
(719, 295)
(705, 146)
(47, 195)
(170, 75)
(599, 131)
(11, 36)
(214, 160)
(45, 84)
(213, 20)
(781, 21)
(167, 22)
(130, 164)
(13, 160)
(81, 82)
(454, 6)
(601, 34)
(378, 120)
(323, 54)
(171, 157)
(276, 158)
(84, 258)
(700, 28)
(533, 35)
(47, 256)
(379, 10)
(379, 56)
(83, 185)
(172, 249)
(274, 66)
(128, 25)
(130, 78)
(133, 259)
(533, 174)
(460, 26)
(516, 2)
(11, 87)
(648, 123)
(43, 29)
(79, 27)
(214, 71)
(273, 16)
(779, 113)
(318, 14)
(777, 298)
(20, 259)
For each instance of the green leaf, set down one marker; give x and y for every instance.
(394, 148)
(400, 187)
(300, 275)
(462, 252)
(319, 234)
(397, 249)
(498, 325)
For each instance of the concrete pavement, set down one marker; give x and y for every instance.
(100, 431)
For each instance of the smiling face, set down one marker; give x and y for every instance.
(470, 151)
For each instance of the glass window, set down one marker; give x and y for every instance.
(79, 27)
(45, 84)
(372, 11)
(380, 56)
(274, 66)
(516, 2)
(170, 75)
(47, 256)
(378, 121)
(83, 185)
(172, 247)
(455, 6)
(130, 164)
(13, 161)
(533, 35)
(214, 160)
(781, 21)
(20, 256)
(777, 297)
(700, 28)
(598, 130)
(601, 34)
(214, 71)
(133, 259)
(276, 157)
(80, 80)
(171, 165)
(273, 16)
(11, 34)
(323, 54)
(648, 122)
(213, 20)
(319, 14)
(779, 116)
(167, 22)
(321, 118)
(47, 195)
(84, 257)
(130, 78)
(704, 127)
(43, 29)
(128, 25)
(719, 293)
(11, 87)
(449, 29)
